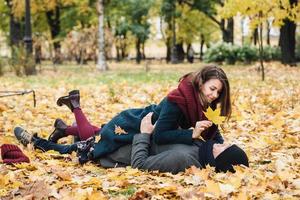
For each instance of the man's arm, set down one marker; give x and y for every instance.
(173, 161)
(141, 143)
(218, 137)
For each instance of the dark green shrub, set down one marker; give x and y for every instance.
(247, 54)
(221, 52)
(226, 52)
(271, 53)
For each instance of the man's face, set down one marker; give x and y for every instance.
(212, 89)
(219, 148)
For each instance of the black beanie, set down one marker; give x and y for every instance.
(233, 155)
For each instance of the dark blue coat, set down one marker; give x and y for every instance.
(171, 127)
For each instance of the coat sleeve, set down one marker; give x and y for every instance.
(173, 161)
(218, 137)
(166, 128)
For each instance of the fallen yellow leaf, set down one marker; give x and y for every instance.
(119, 130)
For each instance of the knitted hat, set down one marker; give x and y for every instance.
(233, 155)
(12, 154)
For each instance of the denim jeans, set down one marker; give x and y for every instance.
(46, 145)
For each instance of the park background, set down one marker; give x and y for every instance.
(130, 53)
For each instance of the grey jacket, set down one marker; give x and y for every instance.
(144, 154)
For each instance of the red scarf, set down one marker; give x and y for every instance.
(187, 98)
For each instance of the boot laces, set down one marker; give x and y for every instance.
(25, 137)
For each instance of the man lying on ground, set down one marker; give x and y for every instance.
(144, 154)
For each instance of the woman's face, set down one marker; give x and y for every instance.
(212, 89)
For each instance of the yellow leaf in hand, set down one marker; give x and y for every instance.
(214, 116)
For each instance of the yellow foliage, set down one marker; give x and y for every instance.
(260, 10)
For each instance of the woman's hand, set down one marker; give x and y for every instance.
(146, 124)
(200, 127)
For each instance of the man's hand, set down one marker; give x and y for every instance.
(146, 125)
(200, 127)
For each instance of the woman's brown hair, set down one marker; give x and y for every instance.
(199, 77)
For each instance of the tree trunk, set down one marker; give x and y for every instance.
(123, 47)
(190, 53)
(202, 42)
(255, 36)
(138, 51)
(174, 55)
(143, 51)
(169, 47)
(227, 30)
(169, 44)
(268, 33)
(15, 34)
(189, 46)
(180, 52)
(38, 53)
(15, 31)
(53, 18)
(29, 66)
(101, 63)
(261, 52)
(287, 40)
(118, 54)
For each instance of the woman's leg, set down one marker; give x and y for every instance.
(73, 130)
(85, 129)
(46, 145)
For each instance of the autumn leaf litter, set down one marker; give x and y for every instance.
(265, 122)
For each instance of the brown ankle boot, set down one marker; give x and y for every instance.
(59, 131)
(72, 100)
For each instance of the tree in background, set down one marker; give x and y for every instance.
(13, 26)
(209, 8)
(139, 26)
(167, 14)
(52, 11)
(183, 22)
(118, 22)
(15, 23)
(287, 39)
(171, 12)
(284, 14)
(193, 26)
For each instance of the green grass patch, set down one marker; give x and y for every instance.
(129, 191)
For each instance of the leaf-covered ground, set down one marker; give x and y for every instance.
(265, 121)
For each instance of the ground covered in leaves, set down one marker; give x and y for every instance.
(265, 121)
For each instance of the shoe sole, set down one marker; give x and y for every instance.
(60, 99)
